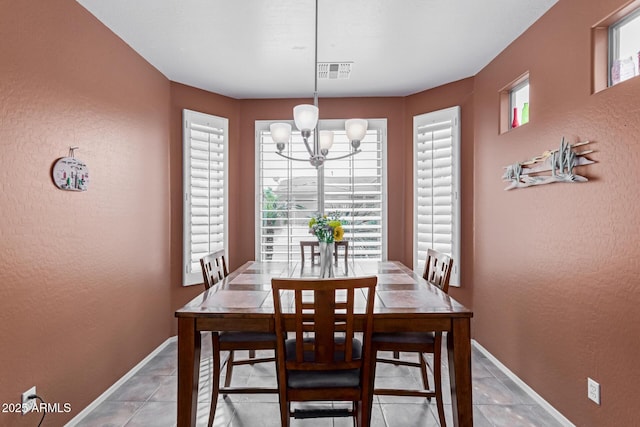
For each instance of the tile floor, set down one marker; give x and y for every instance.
(149, 398)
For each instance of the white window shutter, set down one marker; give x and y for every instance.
(356, 188)
(287, 193)
(437, 187)
(205, 147)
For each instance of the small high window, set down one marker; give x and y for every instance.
(514, 103)
(624, 48)
(616, 47)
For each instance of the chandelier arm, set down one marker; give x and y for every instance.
(291, 158)
(306, 144)
(353, 153)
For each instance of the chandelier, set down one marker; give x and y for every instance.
(305, 117)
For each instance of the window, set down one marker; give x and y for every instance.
(290, 192)
(436, 192)
(519, 104)
(616, 47)
(624, 48)
(514, 103)
(204, 181)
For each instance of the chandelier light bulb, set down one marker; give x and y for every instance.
(326, 140)
(280, 132)
(305, 117)
(356, 129)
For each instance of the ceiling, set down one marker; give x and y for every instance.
(265, 48)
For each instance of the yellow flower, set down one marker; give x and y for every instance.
(334, 224)
(312, 221)
(338, 233)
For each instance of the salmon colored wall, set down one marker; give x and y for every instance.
(186, 97)
(555, 273)
(84, 277)
(459, 93)
(330, 108)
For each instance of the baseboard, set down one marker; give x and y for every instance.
(75, 420)
(531, 392)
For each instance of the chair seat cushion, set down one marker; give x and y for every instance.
(404, 337)
(247, 336)
(322, 379)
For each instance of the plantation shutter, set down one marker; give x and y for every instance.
(437, 187)
(205, 140)
(288, 197)
(287, 193)
(354, 187)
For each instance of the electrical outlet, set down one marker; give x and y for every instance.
(28, 404)
(593, 390)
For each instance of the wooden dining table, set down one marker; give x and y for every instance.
(404, 302)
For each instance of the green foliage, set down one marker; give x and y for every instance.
(272, 207)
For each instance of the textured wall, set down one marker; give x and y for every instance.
(84, 277)
(556, 267)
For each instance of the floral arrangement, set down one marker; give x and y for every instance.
(327, 228)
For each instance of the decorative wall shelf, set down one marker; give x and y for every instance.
(560, 162)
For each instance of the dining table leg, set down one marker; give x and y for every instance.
(459, 353)
(188, 371)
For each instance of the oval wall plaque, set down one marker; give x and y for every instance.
(70, 174)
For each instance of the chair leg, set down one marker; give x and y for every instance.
(423, 369)
(346, 257)
(215, 377)
(357, 413)
(227, 380)
(284, 411)
(282, 392)
(437, 378)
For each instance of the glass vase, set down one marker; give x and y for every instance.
(525, 113)
(326, 260)
(514, 123)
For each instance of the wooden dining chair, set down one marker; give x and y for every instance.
(324, 361)
(214, 270)
(437, 271)
(312, 245)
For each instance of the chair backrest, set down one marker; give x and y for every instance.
(312, 244)
(437, 269)
(214, 268)
(322, 309)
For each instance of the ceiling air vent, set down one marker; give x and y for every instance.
(334, 70)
